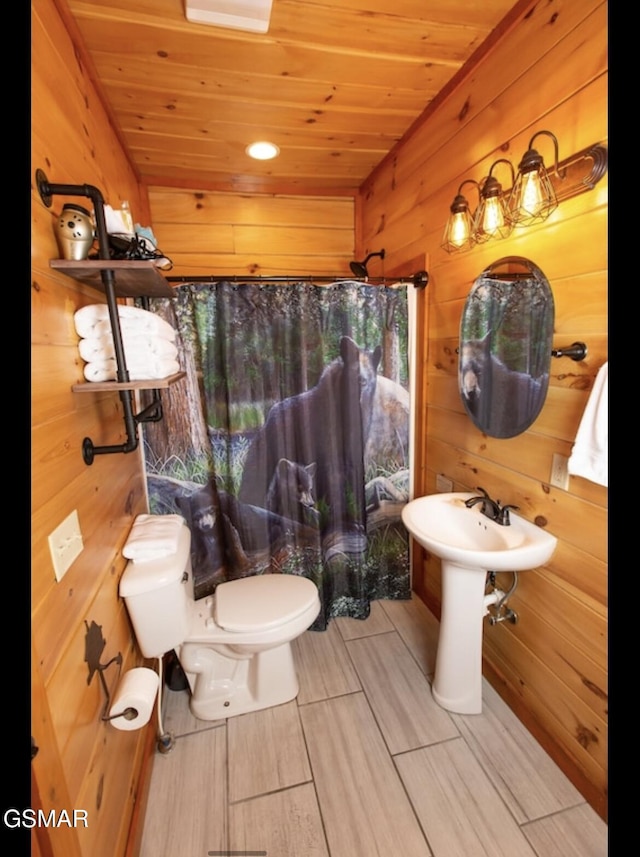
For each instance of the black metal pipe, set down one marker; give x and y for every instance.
(46, 190)
(420, 279)
(153, 411)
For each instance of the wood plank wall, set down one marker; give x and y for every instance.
(549, 71)
(551, 667)
(82, 762)
(218, 233)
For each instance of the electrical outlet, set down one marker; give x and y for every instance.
(65, 544)
(560, 471)
(443, 483)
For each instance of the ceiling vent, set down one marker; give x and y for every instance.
(251, 15)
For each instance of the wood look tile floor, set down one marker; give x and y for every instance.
(363, 764)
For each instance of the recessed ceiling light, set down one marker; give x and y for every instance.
(262, 150)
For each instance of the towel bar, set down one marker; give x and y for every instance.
(577, 351)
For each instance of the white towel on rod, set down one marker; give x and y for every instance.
(153, 537)
(590, 454)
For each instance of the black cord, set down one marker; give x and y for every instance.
(134, 249)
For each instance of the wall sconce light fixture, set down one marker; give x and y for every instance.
(492, 217)
(533, 197)
(459, 233)
(534, 194)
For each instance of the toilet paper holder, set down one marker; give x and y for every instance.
(94, 644)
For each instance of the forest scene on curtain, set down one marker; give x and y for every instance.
(286, 447)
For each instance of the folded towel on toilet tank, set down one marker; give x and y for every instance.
(153, 537)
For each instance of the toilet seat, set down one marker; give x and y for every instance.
(262, 602)
(259, 611)
(235, 645)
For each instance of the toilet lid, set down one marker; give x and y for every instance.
(263, 601)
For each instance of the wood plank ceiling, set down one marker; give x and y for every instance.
(334, 83)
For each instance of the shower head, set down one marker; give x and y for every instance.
(359, 269)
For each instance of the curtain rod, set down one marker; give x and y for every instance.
(419, 279)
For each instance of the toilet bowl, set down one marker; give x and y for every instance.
(234, 646)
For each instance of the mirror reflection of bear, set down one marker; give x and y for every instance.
(473, 354)
(500, 400)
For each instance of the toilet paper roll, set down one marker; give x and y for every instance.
(136, 691)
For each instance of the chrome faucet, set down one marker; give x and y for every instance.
(491, 508)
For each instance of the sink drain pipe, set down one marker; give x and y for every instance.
(498, 599)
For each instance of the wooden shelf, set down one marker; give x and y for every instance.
(111, 386)
(131, 280)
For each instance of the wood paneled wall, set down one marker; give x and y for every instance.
(549, 71)
(82, 762)
(217, 233)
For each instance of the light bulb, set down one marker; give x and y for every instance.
(459, 229)
(493, 218)
(531, 196)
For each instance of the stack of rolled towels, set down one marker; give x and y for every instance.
(149, 343)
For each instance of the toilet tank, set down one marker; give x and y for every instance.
(157, 594)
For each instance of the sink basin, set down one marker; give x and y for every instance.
(443, 525)
(469, 545)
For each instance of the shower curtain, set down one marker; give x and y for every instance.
(286, 447)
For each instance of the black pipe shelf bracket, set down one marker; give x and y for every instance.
(88, 271)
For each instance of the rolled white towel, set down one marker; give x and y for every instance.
(101, 348)
(153, 537)
(158, 349)
(93, 320)
(154, 368)
(101, 370)
(154, 326)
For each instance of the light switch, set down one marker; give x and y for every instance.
(65, 544)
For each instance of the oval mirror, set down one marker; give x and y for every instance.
(506, 335)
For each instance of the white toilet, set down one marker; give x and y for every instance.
(234, 646)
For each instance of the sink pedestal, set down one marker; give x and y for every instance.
(469, 545)
(457, 685)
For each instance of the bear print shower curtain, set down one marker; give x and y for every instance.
(286, 446)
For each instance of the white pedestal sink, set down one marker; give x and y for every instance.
(469, 545)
